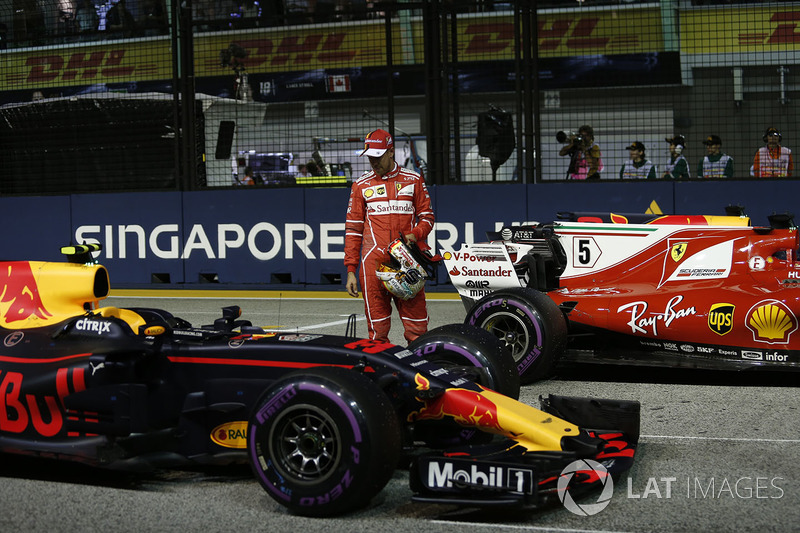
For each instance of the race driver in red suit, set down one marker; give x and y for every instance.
(385, 203)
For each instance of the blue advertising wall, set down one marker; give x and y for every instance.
(264, 238)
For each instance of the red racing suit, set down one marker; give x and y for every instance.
(381, 209)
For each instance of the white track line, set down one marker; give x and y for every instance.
(731, 439)
(524, 528)
(359, 318)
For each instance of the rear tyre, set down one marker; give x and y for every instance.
(323, 442)
(530, 324)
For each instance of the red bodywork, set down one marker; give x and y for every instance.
(745, 307)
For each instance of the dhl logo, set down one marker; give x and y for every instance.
(758, 28)
(566, 34)
(783, 30)
(81, 66)
(295, 51)
(574, 34)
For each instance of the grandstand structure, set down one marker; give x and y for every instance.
(474, 91)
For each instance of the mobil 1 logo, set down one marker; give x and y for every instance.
(453, 475)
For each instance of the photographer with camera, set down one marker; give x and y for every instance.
(585, 158)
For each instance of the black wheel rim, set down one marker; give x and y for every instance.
(509, 328)
(306, 443)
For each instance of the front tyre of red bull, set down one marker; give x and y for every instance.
(529, 323)
(323, 441)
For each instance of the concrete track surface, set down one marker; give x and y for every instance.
(718, 452)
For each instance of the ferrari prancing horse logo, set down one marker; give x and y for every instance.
(677, 251)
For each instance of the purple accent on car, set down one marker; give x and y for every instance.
(458, 349)
(267, 483)
(526, 361)
(276, 401)
(337, 400)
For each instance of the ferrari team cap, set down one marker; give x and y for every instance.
(376, 143)
(712, 140)
(635, 145)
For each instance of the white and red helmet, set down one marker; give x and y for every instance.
(404, 276)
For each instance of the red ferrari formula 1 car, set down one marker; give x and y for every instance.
(696, 291)
(323, 420)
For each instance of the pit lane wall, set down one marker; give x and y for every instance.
(269, 238)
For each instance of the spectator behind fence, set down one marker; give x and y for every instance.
(204, 15)
(249, 12)
(120, 21)
(154, 19)
(637, 167)
(773, 160)
(325, 11)
(677, 167)
(297, 11)
(585, 157)
(715, 164)
(313, 169)
(86, 18)
(248, 179)
(65, 19)
(28, 24)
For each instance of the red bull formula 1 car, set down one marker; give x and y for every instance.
(696, 291)
(323, 420)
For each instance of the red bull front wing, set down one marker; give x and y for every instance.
(531, 467)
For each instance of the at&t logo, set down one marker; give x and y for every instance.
(589, 471)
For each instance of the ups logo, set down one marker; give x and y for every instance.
(720, 318)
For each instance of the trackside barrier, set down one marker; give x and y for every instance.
(267, 238)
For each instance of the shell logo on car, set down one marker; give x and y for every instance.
(231, 434)
(771, 321)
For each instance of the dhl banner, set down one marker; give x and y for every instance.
(745, 29)
(326, 46)
(350, 45)
(613, 31)
(282, 50)
(112, 62)
(567, 33)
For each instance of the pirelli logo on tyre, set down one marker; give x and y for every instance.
(720, 318)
